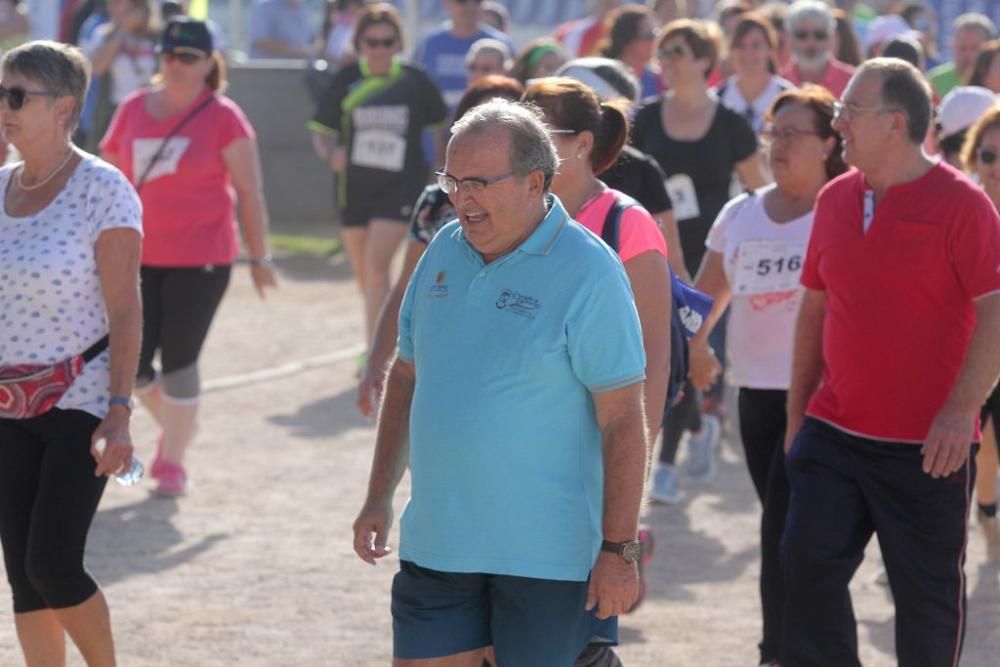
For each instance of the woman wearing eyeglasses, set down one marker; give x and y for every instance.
(981, 155)
(187, 149)
(432, 211)
(630, 32)
(754, 258)
(752, 87)
(698, 143)
(70, 233)
(368, 129)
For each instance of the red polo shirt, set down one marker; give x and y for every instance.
(835, 77)
(900, 309)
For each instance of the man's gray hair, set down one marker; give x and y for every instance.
(810, 10)
(531, 147)
(489, 45)
(904, 89)
(975, 20)
(58, 68)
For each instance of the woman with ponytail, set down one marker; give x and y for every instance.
(589, 136)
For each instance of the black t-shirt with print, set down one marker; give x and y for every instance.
(379, 120)
(699, 172)
(640, 177)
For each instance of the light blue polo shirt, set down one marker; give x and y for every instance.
(505, 452)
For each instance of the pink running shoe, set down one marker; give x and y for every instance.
(173, 480)
(648, 547)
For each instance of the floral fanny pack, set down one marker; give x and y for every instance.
(31, 390)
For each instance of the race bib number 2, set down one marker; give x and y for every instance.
(379, 149)
(765, 267)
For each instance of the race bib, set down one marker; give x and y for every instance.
(143, 151)
(766, 267)
(680, 187)
(379, 149)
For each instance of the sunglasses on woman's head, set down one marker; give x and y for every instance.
(16, 96)
(386, 43)
(987, 156)
(183, 58)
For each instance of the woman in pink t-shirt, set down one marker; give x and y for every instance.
(188, 150)
(589, 136)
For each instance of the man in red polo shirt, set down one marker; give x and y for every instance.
(810, 27)
(895, 349)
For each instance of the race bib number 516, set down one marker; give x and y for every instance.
(764, 267)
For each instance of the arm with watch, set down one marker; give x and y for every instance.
(243, 163)
(614, 580)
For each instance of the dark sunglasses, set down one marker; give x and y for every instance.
(386, 43)
(184, 58)
(986, 156)
(673, 52)
(466, 2)
(818, 35)
(15, 96)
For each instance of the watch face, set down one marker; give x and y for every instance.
(631, 551)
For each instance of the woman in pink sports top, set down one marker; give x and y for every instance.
(589, 136)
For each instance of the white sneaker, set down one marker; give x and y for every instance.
(701, 464)
(666, 485)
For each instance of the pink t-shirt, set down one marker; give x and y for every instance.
(835, 77)
(188, 202)
(637, 232)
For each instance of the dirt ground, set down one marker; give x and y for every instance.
(255, 568)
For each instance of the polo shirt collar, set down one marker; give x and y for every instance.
(547, 232)
(542, 240)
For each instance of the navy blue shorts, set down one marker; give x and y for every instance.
(529, 622)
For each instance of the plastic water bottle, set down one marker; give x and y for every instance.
(132, 475)
(128, 477)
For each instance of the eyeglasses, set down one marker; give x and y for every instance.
(672, 53)
(473, 186)
(373, 43)
(784, 135)
(847, 110)
(182, 58)
(818, 35)
(555, 130)
(15, 96)
(987, 156)
(467, 2)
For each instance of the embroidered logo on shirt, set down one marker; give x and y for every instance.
(517, 303)
(439, 290)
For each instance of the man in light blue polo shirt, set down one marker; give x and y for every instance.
(281, 29)
(518, 386)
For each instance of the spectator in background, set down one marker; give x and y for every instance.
(496, 16)
(774, 13)
(667, 10)
(487, 56)
(729, 13)
(629, 35)
(969, 32)
(811, 27)
(280, 29)
(538, 58)
(752, 87)
(922, 19)
(442, 52)
(881, 30)
(13, 24)
(905, 48)
(338, 26)
(581, 37)
(43, 19)
(959, 110)
(123, 53)
(986, 71)
(847, 48)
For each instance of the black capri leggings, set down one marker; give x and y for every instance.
(48, 498)
(178, 305)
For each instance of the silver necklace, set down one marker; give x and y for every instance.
(52, 174)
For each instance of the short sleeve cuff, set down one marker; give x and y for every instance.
(618, 384)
